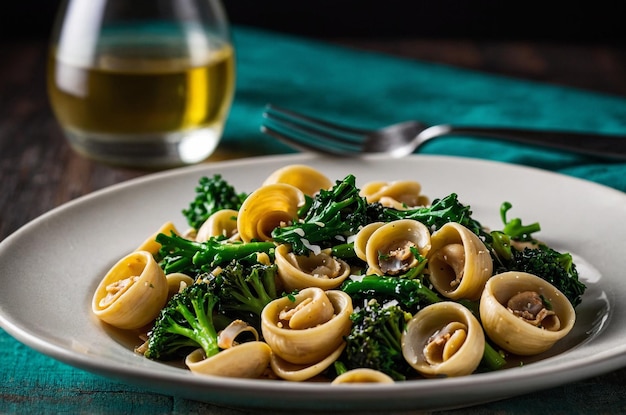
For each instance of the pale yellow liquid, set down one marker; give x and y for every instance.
(135, 95)
(138, 99)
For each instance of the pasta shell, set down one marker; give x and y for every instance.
(246, 360)
(516, 334)
(176, 281)
(361, 238)
(267, 208)
(308, 179)
(362, 375)
(443, 339)
(322, 270)
(389, 249)
(458, 262)
(151, 245)
(306, 327)
(401, 194)
(132, 292)
(299, 372)
(222, 223)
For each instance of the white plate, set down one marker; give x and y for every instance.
(56, 261)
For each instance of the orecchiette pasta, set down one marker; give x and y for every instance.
(177, 281)
(444, 339)
(299, 372)
(266, 208)
(132, 293)
(362, 375)
(397, 194)
(246, 360)
(305, 178)
(524, 314)
(307, 327)
(315, 270)
(459, 262)
(152, 246)
(286, 312)
(222, 223)
(396, 246)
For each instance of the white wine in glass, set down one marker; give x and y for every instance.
(145, 83)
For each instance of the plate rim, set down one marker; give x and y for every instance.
(598, 364)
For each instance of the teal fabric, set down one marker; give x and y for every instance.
(371, 90)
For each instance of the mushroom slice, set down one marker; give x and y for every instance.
(306, 327)
(443, 339)
(309, 180)
(132, 293)
(362, 375)
(391, 249)
(267, 208)
(314, 270)
(246, 360)
(524, 314)
(227, 338)
(533, 309)
(458, 262)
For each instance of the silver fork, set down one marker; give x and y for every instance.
(306, 133)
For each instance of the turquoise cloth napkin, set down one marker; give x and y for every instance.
(373, 90)
(370, 90)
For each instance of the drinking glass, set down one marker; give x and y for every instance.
(142, 83)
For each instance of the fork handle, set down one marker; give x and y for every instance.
(607, 146)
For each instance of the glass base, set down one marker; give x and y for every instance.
(147, 151)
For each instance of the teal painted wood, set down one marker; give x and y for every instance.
(34, 383)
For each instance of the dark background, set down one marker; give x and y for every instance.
(587, 21)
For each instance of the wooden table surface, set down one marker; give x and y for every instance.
(38, 171)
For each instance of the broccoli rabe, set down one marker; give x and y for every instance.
(244, 288)
(514, 227)
(212, 194)
(440, 212)
(375, 340)
(555, 267)
(185, 323)
(332, 216)
(183, 255)
(411, 293)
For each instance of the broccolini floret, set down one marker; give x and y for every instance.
(184, 324)
(212, 194)
(440, 212)
(331, 218)
(538, 259)
(555, 267)
(410, 293)
(179, 254)
(375, 339)
(246, 289)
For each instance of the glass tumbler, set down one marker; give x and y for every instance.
(142, 83)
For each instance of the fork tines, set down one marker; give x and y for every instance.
(308, 133)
